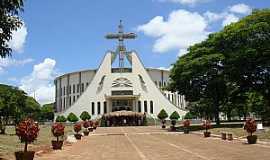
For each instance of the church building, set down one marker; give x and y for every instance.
(107, 89)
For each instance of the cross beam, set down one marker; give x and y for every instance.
(121, 36)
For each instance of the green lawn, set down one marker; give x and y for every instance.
(240, 132)
(10, 143)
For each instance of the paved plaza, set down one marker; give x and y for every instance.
(151, 143)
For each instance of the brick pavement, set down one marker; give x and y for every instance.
(151, 143)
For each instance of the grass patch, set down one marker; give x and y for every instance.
(240, 132)
(10, 143)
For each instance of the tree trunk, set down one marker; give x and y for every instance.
(25, 146)
(216, 111)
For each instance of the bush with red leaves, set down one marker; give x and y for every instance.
(86, 124)
(206, 125)
(91, 123)
(27, 130)
(77, 127)
(186, 123)
(58, 129)
(250, 125)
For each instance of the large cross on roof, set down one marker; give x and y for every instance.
(121, 36)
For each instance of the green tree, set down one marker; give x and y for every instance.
(162, 114)
(72, 118)
(61, 119)
(85, 116)
(47, 112)
(174, 116)
(9, 21)
(245, 45)
(12, 106)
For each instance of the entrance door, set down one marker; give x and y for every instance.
(119, 105)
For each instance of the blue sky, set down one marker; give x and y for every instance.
(64, 36)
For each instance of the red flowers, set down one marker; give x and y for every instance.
(250, 125)
(58, 129)
(206, 124)
(186, 123)
(86, 124)
(27, 130)
(77, 127)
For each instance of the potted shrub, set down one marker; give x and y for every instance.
(58, 130)
(86, 125)
(251, 127)
(27, 131)
(72, 118)
(77, 128)
(162, 116)
(207, 126)
(61, 119)
(174, 117)
(85, 116)
(186, 124)
(91, 124)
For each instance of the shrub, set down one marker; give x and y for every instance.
(86, 124)
(174, 116)
(186, 123)
(188, 116)
(91, 123)
(58, 129)
(72, 117)
(27, 130)
(250, 126)
(162, 114)
(77, 127)
(85, 116)
(206, 125)
(61, 119)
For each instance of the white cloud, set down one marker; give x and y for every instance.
(9, 62)
(182, 52)
(213, 17)
(185, 2)
(40, 81)
(179, 31)
(18, 39)
(230, 18)
(240, 8)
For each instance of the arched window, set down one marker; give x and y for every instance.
(93, 108)
(151, 107)
(145, 106)
(139, 106)
(98, 107)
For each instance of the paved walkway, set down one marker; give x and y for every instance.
(150, 143)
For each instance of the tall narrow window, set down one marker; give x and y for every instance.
(93, 108)
(145, 106)
(73, 88)
(98, 107)
(64, 103)
(78, 88)
(82, 87)
(69, 90)
(105, 106)
(151, 107)
(73, 99)
(64, 91)
(139, 106)
(69, 101)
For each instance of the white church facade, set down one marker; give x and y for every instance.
(109, 89)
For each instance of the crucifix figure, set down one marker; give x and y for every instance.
(121, 36)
